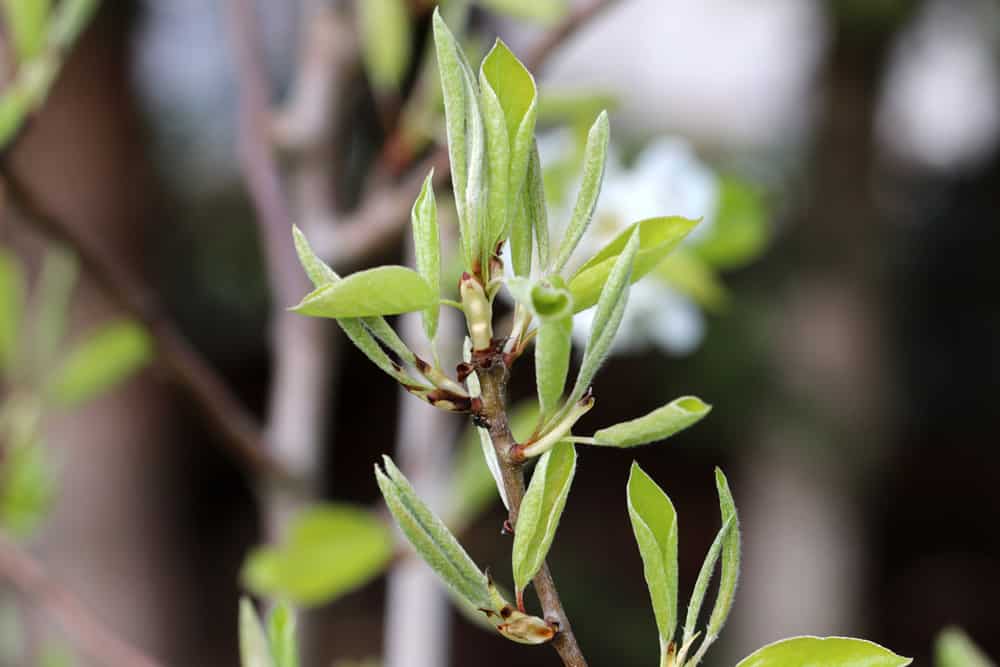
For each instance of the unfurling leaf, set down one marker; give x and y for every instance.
(385, 42)
(11, 307)
(384, 290)
(594, 158)
(431, 538)
(657, 237)
(427, 248)
(824, 652)
(102, 360)
(654, 522)
(730, 559)
(281, 634)
(254, 649)
(541, 510)
(657, 425)
(331, 549)
(954, 648)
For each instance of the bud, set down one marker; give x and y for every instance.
(478, 313)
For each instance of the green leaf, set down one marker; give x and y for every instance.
(431, 538)
(254, 650)
(954, 648)
(466, 139)
(730, 559)
(545, 12)
(319, 272)
(688, 274)
(331, 549)
(701, 584)
(27, 488)
(610, 309)
(100, 362)
(69, 20)
(654, 522)
(386, 42)
(26, 21)
(657, 237)
(541, 510)
(427, 247)
(657, 425)
(55, 285)
(823, 652)
(509, 105)
(11, 307)
(740, 232)
(281, 634)
(530, 217)
(594, 159)
(552, 352)
(14, 106)
(384, 290)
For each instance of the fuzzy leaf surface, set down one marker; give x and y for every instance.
(657, 425)
(427, 248)
(730, 558)
(824, 652)
(384, 290)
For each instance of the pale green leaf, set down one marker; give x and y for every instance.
(14, 106)
(27, 488)
(25, 21)
(427, 248)
(331, 549)
(101, 361)
(659, 424)
(541, 510)
(730, 558)
(55, 285)
(431, 538)
(530, 218)
(740, 231)
(254, 650)
(384, 290)
(552, 352)
(657, 237)
(690, 275)
(594, 159)
(545, 12)
(281, 634)
(386, 42)
(11, 307)
(954, 648)
(319, 272)
(654, 522)
(69, 20)
(704, 578)
(823, 652)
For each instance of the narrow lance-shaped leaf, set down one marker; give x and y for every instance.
(531, 219)
(541, 510)
(254, 650)
(384, 290)
(657, 425)
(654, 522)
(431, 538)
(427, 248)
(657, 238)
(730, 558)
(281, 633)
(594, 158)
(11, 307)
(701, 585)
(825, 651)
(102, 360)
(610, 310)
(385, 33)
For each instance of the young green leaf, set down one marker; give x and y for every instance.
(545, 12)
(730, 559)
(701, 587)
(427, 248)
(659, 424)
(824, 652)
(331, 549)
(385, 31)
(954, 648)
(657, 237)
(281, 634)
(654, 523)
(384, 290)
(610, 310)
(11, 307)
(27, 488)
(690, 275)
(254, 650)
(431, 538)
(541, 510)
(68, 21)
(15, 103)
(552, 351)
(55, 286)
(530, 218)
(26, 21)
(594, 158)
(101, 361)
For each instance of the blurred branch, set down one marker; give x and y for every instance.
(564, 30)
(240, 431)
(91, 636)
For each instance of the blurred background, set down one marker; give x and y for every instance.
(838, 307)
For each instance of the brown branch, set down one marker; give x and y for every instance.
(91, 636)
(493, 375)
(240, 431)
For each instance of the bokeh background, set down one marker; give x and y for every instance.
(853, 357)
